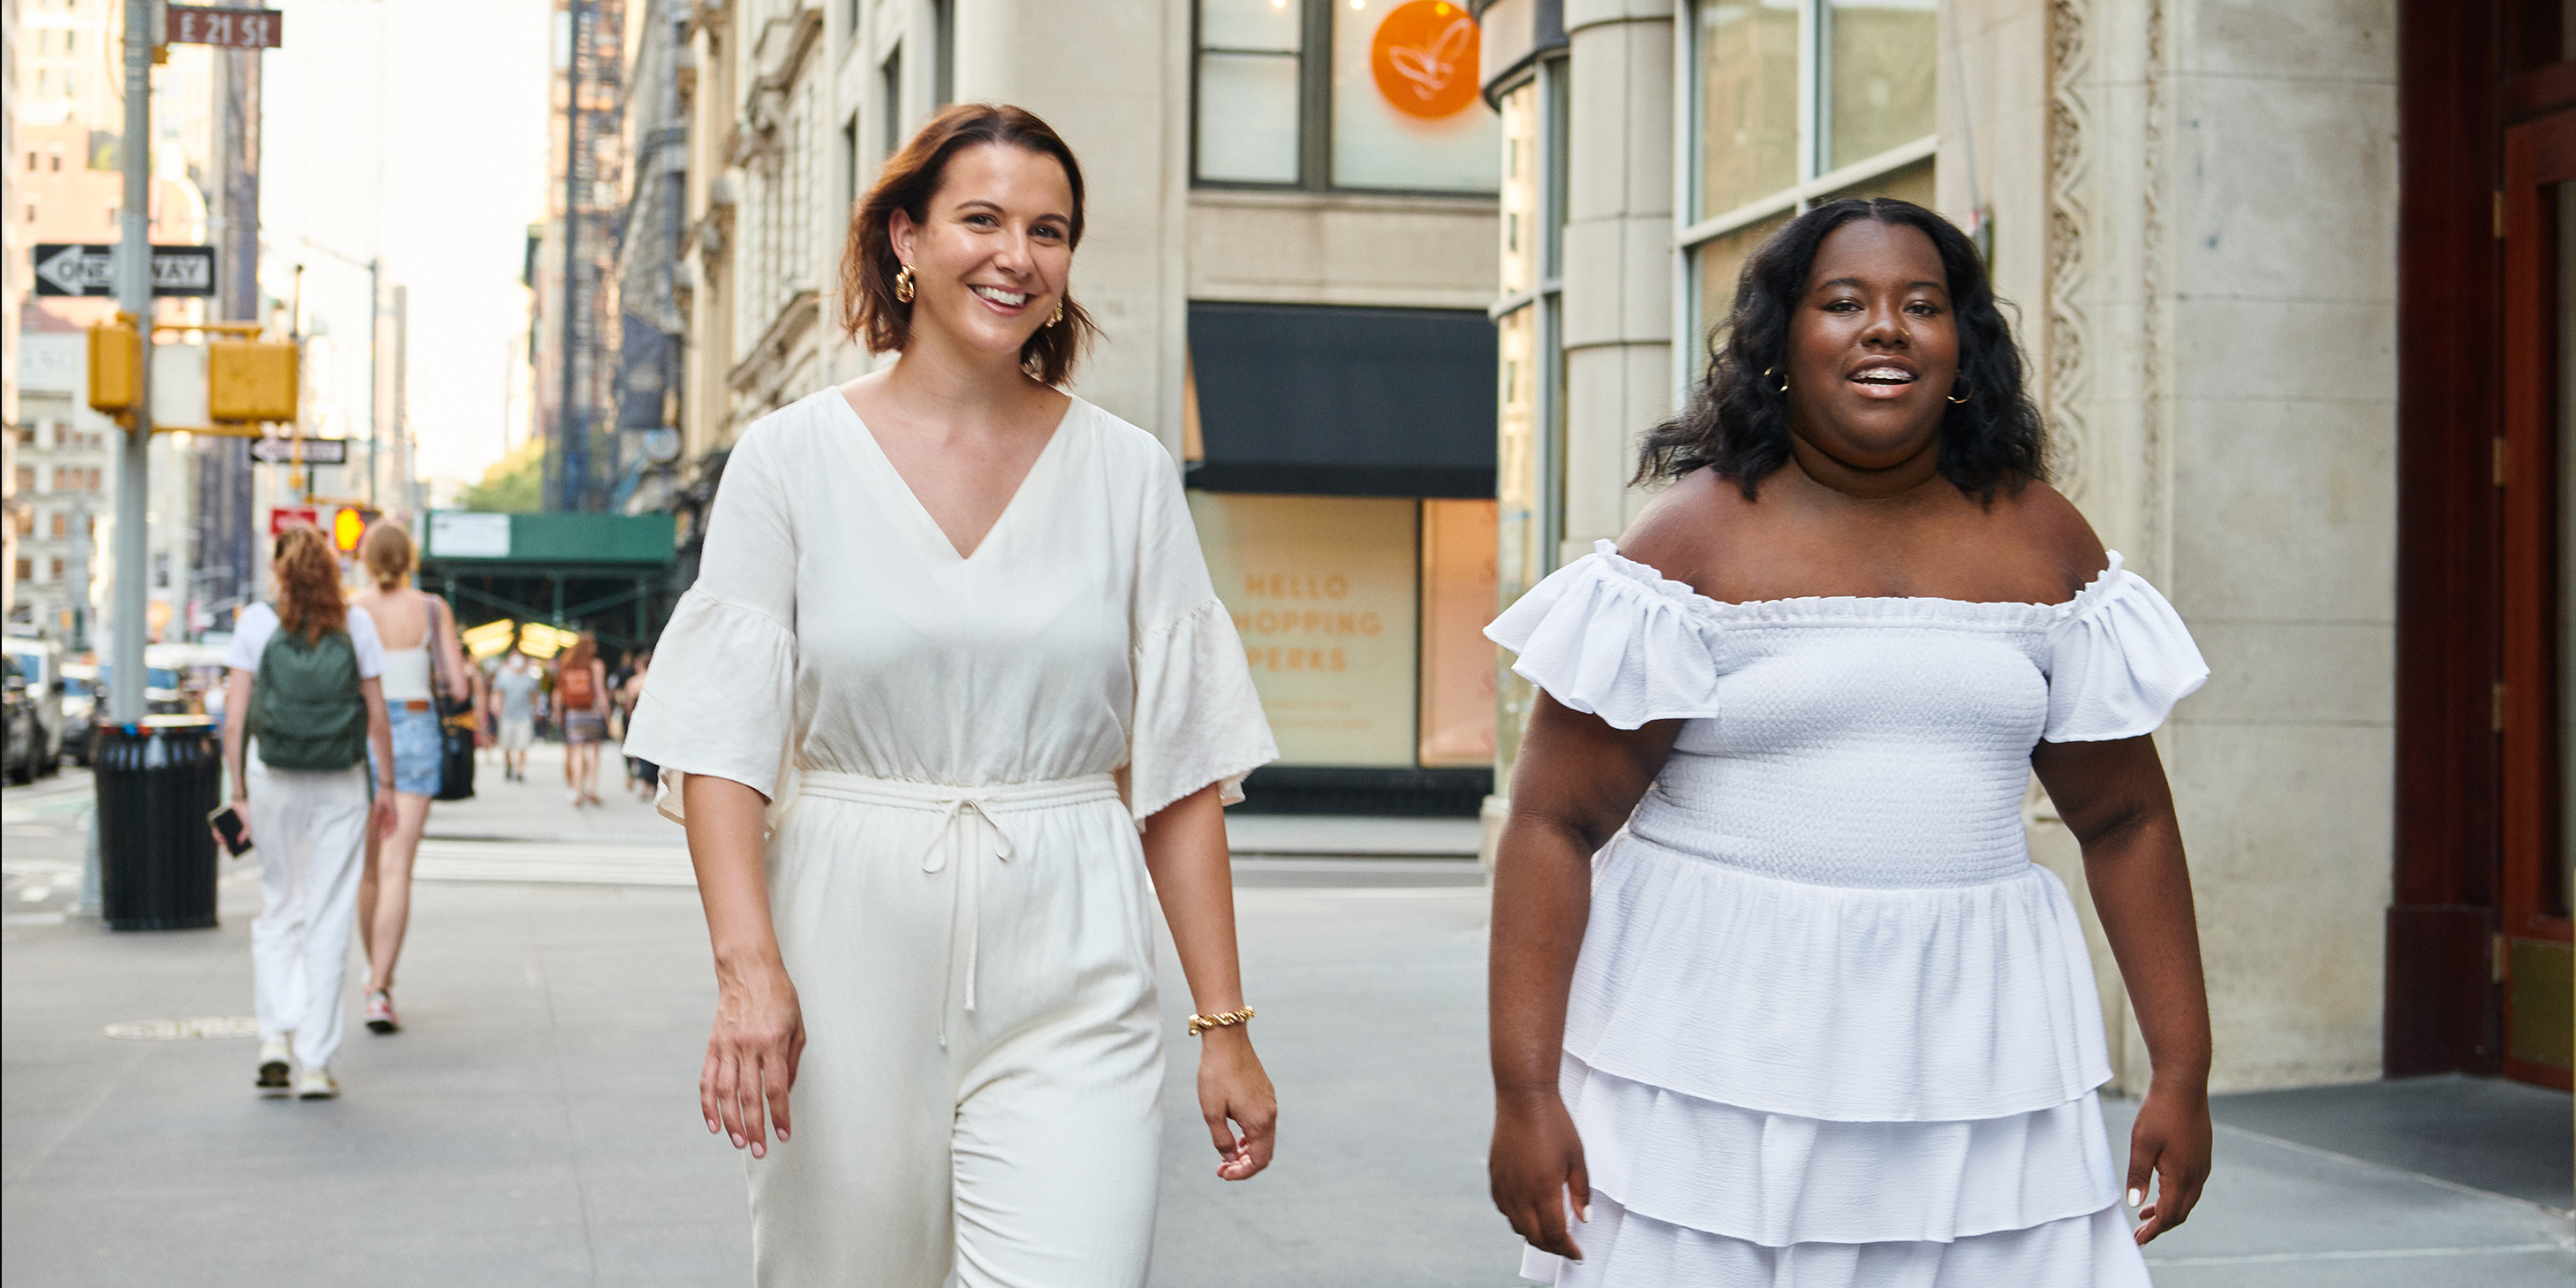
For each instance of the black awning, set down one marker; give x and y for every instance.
(1334, 401)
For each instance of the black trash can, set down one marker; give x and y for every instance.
(157, 782)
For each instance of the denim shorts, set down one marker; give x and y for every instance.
(418, 749)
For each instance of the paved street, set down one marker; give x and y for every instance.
(536, 1124)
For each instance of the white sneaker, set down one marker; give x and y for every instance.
(274, 1053)
(316, 1084)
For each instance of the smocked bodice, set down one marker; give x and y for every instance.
(1849, 741)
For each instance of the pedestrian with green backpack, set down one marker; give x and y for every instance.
(303, 704)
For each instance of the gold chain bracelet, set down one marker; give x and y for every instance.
(1202, 1023)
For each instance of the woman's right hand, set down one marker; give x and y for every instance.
(752, 1055)
(1536, 1163)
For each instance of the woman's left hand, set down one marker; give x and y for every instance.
(2170, 1143)
(1233, 1085)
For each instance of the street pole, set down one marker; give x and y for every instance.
(134, 295)
(375, 366)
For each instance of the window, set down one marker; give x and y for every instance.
(56, 571)
(161, 571)
(850, 166)
(943, 53)
(26, 569)
(1796, 102)
(1369, 94)
(890, 99)
(1529, 464)
(61, 526)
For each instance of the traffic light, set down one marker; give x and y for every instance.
(349, 527)
(115, 365)
(250, 381)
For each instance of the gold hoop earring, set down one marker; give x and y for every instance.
(903, 291)
(1058, 315)
(1960, 398)
(1784, 380)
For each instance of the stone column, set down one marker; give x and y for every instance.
(1618, 255)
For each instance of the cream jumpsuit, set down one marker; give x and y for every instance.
(958, 755)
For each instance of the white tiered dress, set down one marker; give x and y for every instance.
(1830, 1024)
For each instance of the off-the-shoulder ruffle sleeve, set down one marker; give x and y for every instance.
(2118, 662)
(1610, 637)
(721, 699)
(1197, 718)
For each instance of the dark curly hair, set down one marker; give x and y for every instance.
(1737, 422)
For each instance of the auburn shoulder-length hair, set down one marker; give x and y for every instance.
(870, 313)
(309, 604)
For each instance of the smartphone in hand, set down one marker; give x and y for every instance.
(228, 828)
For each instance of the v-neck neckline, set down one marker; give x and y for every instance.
(939, 535)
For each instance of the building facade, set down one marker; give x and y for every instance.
(2215, 240)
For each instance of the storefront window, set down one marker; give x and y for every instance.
(1458, 674)
(1325, 592)
(1392, 105)
(1406, 111)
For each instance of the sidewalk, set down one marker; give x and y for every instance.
(537, 1122)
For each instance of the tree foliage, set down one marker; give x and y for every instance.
(516, 484)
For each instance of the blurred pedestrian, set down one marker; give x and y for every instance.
(641, 774)
(514, 701)
(1777, 992)
(581, 704)
(954, 640)
(304, 707)
(420, 652)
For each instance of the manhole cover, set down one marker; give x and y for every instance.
(213, 1026)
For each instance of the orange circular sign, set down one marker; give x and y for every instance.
(1425, 59)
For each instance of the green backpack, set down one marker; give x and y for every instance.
(305, 707)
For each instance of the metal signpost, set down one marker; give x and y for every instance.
(134, 295)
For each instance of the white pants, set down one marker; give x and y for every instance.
(310, 829)
(980, 1102)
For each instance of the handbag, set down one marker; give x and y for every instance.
(455, 721)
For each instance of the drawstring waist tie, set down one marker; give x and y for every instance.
(990, 802)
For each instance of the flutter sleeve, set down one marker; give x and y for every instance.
(721, 696)
(1197, 718)
(2118, 662)
(1611, 637)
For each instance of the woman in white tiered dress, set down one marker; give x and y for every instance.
(1779, 998)
(951, 649)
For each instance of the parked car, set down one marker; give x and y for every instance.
(24, 734)
(80, 704)
(40, 664)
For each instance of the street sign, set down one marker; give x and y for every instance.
(75, 268)
(317, 451)
(232, 28)
(282, 517)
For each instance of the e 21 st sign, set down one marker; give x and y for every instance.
(231, 28)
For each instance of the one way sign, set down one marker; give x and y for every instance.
(90, 269)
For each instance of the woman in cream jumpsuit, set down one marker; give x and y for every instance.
(954, 650)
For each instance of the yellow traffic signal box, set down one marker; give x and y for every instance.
(250, 381)
(115, 365)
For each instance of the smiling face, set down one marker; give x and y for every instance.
(1873, 347)
(989, 261)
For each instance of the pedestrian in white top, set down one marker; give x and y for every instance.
(302, 707)
(414, 624)
(951, 649)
